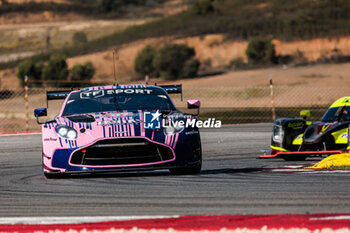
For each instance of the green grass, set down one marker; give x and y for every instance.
(16, 45)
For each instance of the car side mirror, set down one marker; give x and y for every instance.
(40, 112)
(194, 104)
(305, 114)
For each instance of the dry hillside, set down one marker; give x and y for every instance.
(165, 8)
(211, 50)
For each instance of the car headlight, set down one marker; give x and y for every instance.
(66, 132)
(174, 129)
(277, 134)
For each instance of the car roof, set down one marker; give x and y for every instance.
(344, 101)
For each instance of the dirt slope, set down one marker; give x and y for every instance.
(212, 50)
(307, 85)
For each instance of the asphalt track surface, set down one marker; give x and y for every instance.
(232, 181)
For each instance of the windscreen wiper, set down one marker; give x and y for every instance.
(115, 102)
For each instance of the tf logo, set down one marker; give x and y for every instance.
(151, 120)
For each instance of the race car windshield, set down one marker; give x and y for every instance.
(337, 114)
(117, 100)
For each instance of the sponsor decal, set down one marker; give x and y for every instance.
(209, 123)
(100, 93)
(111, 114)
(50, 139)
(118, 122)
(296, 125)
(92, 94)
(325, 127)
(192, 132)
(129, 91)
(152, 120)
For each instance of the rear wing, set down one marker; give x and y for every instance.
(173, 89)
(56, 95)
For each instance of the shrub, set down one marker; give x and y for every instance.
(170, 60)
(144, 61)
(79, 38)
(83, 72)
(106, 6)
(237, 64)
(56, 69)
(190, 68)
(32, 70)
(261, 50)
(202, 7)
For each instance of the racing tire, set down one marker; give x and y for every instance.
(188, 170)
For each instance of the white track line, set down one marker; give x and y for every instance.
(73, 220)
(344, 217)
(294, 166)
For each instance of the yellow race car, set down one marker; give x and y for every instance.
(296, 139)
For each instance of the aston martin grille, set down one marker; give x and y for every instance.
(122, 152)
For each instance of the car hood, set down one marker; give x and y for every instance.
(94, 126)
(103, 119)
(111, 118)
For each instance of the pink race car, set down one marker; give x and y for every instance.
(120, 128)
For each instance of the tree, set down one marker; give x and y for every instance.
(261, 50)
(202, 7)
(83, 72)
(56, 69)
(170, 60)
(30, 69)
(144, 61)
(190, 68)
(107, 6)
